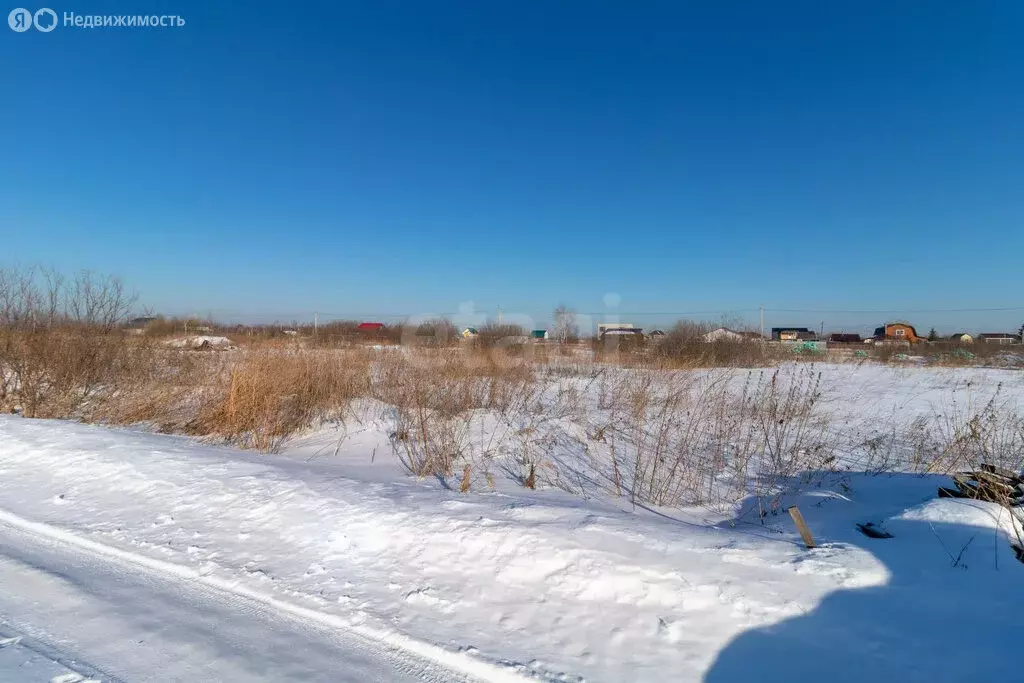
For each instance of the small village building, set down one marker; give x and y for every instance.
(897, 331)
(998, 338)
(720, 334)
(603, 327)
(793, 334)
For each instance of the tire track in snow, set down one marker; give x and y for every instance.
(80, 671)
(455, 662)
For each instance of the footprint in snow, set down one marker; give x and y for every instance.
(425, 596)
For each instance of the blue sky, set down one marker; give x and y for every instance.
(406, 157)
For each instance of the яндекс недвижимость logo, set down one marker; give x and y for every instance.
(45, 20)
(21, 20)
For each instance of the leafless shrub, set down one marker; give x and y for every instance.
(972, 431)
(706, 438)
(686, 345)
(59, 341)
(436, 395)
(509, 337)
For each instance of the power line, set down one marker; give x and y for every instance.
(279, 315)
(895, 310)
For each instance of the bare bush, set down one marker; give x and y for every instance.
(706, 438)
(436, 396)
(501, 336)
(60, 342)
(972, 431)
(685, 344)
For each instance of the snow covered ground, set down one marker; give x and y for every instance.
(21, 660)
(109, 617)
(129, 556)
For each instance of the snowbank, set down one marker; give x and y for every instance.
(549, 585)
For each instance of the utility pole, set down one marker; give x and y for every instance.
(316, 323)
(499, 315)
(762, 320)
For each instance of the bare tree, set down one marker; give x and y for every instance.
(566, 329)
(98, 302)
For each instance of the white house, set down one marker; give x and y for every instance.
(722, 334)
(604, 327)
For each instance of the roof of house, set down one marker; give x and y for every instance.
(370, 326)
(539, 333)
(790, 329)
(622, 331)
(997, 335)
(880, 331)
(470, 330)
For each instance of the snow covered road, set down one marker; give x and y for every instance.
(114, 621)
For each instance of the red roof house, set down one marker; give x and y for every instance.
(371, 327)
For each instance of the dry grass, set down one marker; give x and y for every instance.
(60, 345)
(270, 394)
(435, 394)
(654, 436)
(703, 438)
(668, 424)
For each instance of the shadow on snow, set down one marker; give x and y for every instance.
(952, 609)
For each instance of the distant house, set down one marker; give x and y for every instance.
(370, 327)
(656, 334)
(621, 338)
(844, 338)
(469, 333)
(602, 327)
(793, 334)
(539, 334)
(622, 332)
(961, 338)
(898, 331)
(998, 338)
(138, 325)
(723, 334)
(291, 333)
